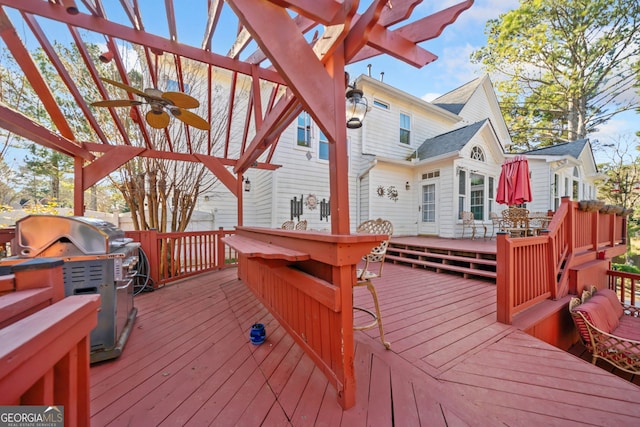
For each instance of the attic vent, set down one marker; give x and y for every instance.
(381, 104)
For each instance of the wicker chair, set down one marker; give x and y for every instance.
(608, 329)
(496, 223)
(368, 272)
(516, 222)
(468, 221)
(288, 225)
(301, 225)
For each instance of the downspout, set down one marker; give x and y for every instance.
(372, 164)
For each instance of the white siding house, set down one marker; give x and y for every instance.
(416, 163)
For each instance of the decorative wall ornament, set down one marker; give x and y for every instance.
(296, 208)
(392, 193)
(380, 191)
(311, 201)
(325, 209)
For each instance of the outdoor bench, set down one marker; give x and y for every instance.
(609, 329)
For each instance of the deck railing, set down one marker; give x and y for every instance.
(626, 285)
(531, 269)
(44, 355)
(178, 255)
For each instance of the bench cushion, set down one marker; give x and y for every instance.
(595, 314)
(629, 328)
(613, 299)
(611, 316)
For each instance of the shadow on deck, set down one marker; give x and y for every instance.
(189, 362)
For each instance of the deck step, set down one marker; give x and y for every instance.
(442, 267)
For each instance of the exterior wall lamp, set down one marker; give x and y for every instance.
(407, 186)
(357, 104)
(247, 184)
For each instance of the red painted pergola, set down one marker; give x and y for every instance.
(287, 270)
(312, 72)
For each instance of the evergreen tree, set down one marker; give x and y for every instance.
(562, 68)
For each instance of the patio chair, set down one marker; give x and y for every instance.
(468, 221)
(496, 223)
(288, 225)
(373, 264)
(301, 225)
(515, 221)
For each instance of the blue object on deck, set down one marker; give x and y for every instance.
(258, 333)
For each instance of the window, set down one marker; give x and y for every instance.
(405, 128)
(556, 191)
(172, 86)
(477, 196)
(491, 195)
(429, 203)
(323, 147)
(304, 130)
(381, 104)
(477, 154)
(430, 175)
(462, 191)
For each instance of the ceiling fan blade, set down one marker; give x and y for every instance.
(191, 119)
(115, 103)
(124, 86)
(181, 100)
(157, 120)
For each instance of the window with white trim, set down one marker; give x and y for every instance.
(477, 154)
(304, 130)
(405, 129)
(429, 203)
(323, 147)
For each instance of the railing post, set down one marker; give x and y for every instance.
(552, 278)
(504, 279)
(595, 229)
(570, 237)
(221, 252)
(149, 243)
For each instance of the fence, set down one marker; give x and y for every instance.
(178, 255)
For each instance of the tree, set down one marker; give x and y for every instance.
(622, 186)
(562, 68)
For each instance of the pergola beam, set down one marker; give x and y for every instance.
(109, 28)
(32, 73)
(18, 123)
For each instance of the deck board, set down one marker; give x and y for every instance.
(189, 361)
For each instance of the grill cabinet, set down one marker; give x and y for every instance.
(98, 259)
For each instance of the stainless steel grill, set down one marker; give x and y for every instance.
(98, 258)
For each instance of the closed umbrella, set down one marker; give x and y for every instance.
(514, 186)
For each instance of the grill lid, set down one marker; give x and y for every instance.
(87, 236)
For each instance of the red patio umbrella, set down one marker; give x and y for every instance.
(514, 186)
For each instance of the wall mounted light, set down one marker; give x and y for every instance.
(247, 184)
(407, 186)
(106, 57)
(206, 198)
(357, 105)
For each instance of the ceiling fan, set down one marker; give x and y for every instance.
(162, 104)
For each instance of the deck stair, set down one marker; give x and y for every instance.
(470, 263)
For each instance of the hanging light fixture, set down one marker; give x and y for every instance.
(247, 184)
(357, 105)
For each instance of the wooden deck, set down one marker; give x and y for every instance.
(189, 361)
